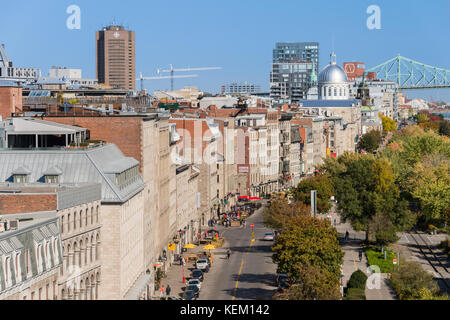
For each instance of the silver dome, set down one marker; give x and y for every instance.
(333, 74)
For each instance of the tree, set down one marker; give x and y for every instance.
(430, 185)
(444, 128)
(324, 187)
(308, 241)
(389, 125)
(313, 284)
(364, 187)
(370, 141)
(279, 213)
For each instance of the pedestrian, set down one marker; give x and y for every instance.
(228, 254)
(168, 290)
(161, 292)
(347, 235)
(360, 255)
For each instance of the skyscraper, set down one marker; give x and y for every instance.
(116, 63)
(293, 71)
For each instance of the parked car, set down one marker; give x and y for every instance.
(202, 264)
(282, 277)
(268, 236)
(283, 284)
(197, 274)
(173, 298)
(193, 288)
(188, 295)
(195, 282)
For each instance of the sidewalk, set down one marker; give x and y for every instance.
(351, 262)
(174, 274)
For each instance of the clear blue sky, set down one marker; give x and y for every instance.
(238, 35)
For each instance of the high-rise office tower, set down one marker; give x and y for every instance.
(293, 71)
(116, 63)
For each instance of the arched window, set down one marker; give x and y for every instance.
(335, 92)
(97, 213)
(81, 253)
(81, 219)
(68, 222)
(329, 92)
(17, 267)
(86, 251)
(97, 248)
(75, 251)
(87, 214)
(92, 216)
(62, 224)
(7, 271)
(92, 248)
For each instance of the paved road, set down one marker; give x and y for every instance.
(250, 272)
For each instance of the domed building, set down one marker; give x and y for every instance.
(333, 82)
(333, 115)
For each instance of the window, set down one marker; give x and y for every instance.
(51, 179)
(20, 178)
(68, 222)
(7, 271)
(62, 224)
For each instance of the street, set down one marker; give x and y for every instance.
(249, 274)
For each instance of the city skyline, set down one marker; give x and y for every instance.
(170, 35)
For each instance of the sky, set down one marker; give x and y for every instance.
(237, 35)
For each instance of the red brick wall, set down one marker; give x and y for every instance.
(124, 132)
(8, 104)
(23, 203)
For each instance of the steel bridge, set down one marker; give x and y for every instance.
(410, 74)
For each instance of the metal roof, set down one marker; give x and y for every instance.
(328, 103)
(77, 166)
(35, 126)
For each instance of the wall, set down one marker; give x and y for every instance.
(10, 101)
(123, 131)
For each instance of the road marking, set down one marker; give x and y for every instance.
(239, 274)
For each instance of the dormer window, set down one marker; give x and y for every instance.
(52, 175)
(51, 179)
(21, 175)
(20, 178)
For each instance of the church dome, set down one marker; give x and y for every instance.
(333, 73)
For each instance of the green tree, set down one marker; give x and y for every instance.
(312, 284)
(370, 141)
(324, 187)
(308, 241)
(365, 187)
(280, 212)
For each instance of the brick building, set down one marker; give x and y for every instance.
(10, 99)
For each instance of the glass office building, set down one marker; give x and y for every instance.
(294, 70)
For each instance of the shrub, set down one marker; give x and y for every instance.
(357, 280)
(409, 278)
(376, 258)
(355, 294)
(445, 245)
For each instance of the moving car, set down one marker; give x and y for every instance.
(268, 236)
(195, 282)
(197, 274)
(188, 295)
(202, 264)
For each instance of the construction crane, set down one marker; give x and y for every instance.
(172, 72)
(142, 78)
